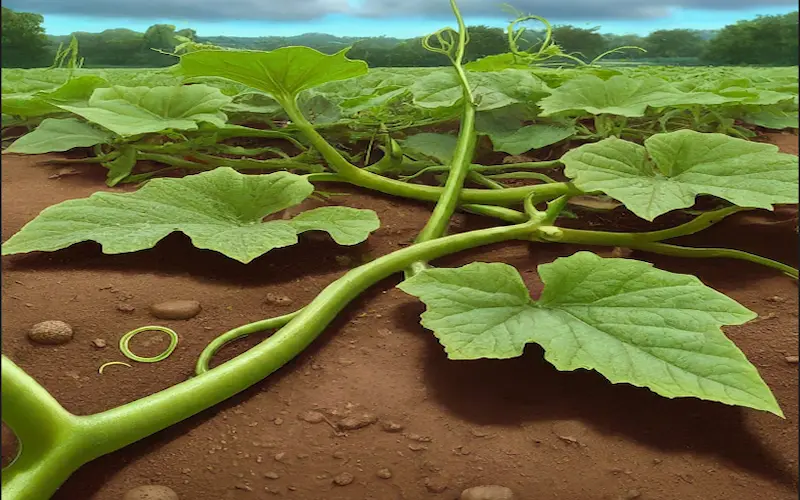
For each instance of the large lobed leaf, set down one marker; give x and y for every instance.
(220, 210)
(620, 95)
(129, 111)
(59, 135)
(623, 318)
(282, 73)
(670, 170)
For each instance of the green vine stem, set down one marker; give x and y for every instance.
(462, 155)
(60, 443)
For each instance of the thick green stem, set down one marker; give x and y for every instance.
(95, 435)
(347, 172)
(645, 242)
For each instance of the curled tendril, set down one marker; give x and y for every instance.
(173, 342)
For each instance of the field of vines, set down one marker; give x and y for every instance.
(286, 275)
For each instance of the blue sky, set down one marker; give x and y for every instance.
(403, 18)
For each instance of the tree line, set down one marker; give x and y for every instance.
(766, 40)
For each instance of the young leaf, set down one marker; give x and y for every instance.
(129, 111)
(347, 226)
(120, 167)
(623, 318)
(672, 169)
(59, 135)
(282, 73)
(220, 210)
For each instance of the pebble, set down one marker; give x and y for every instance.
(99, 343)
(435, 484)
(392, 427)
(278, 300)
(312, 417)
(353, 423)
(51, 332)
(151, 492)
(343, 479)
(488, 492)
(384, 473)
(271, 475)
(126, 308)
(176, 309)
(792, 359)
(417, 447)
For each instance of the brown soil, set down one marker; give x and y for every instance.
(519, 423)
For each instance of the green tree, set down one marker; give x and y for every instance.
(485, 41)
(766, 40)
(23, 40)
(587, 42)
(675, 43)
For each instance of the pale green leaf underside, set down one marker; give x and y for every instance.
(129, 111)
(59, 135)
(672, 169)
(282, 73)
(220, 210)
(623, 318)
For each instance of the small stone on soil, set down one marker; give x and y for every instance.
(489, 492)
(435, 484)
(776, 299)
(392, 427)
(792, 359)
(343, 479)
(353, 423)
(271, 475)
(126, 308)
(244, 487)
(278, 300)
(50, 332)
(99, 343)
(278, 421)
(176, 309)
(151, 492)
(384, 473)
(312, 417)
(417, 447)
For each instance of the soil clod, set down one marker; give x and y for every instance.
(488, 492)
(51, 332)
(435, 484)
(384, 473)
(272, 475)
(359, 422)
(99, 343)
(312, 417)
(151, 492)
(125, 308)
(343, 479)
(278, 300)
(176, 309)
(390, 426)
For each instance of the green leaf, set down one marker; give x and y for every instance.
(623, 318)
(491, 90)
(129, 111)
(59, 135)
(672, 169)
(775, 119)
(524, 139)
(439, 147)
(43, 102)
(282, 73)
(347, 226)
(620, 95)
(220, 210)
(121, 167)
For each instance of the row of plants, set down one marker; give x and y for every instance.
(650, 142)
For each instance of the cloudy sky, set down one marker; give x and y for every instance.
(400, 18)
